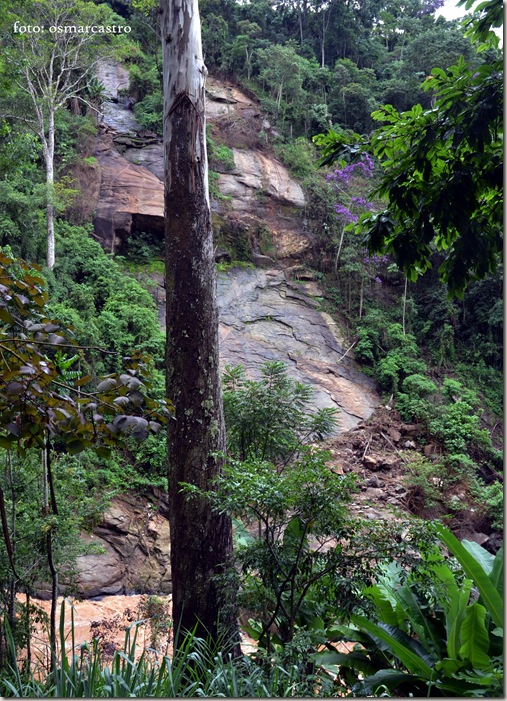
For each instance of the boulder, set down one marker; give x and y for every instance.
(99, 574)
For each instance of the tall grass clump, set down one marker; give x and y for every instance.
(198, 668)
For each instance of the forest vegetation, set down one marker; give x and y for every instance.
(391, 121)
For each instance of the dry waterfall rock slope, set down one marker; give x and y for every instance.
(263, 314)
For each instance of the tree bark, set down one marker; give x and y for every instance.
(50, 183)
(201, 538)
(404, 309)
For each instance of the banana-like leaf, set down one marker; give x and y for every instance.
(390, 678)
(475, 638)
(482, 556)
(353, 660)
(385, 609)
(339, 632)
(490, 596)
(458, 603)
(496, 574)
(412, 655)
(423, 626)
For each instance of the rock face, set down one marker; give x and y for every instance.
(130, 198)
(253, 173)
(134, 539)
(257, 191)
(264, 317)
(115, 78)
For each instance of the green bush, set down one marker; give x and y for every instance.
(270, 419)
(150, 112)
(411, 401)
(457, 427)
(106, 306)
(299, 156)
(433, 635)
(491, 498)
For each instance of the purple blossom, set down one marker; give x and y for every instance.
(343, 211)
(375, 260)
(377, 279)
(361, 202)
(342, 176)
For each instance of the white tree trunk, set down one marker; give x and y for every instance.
(404, 309)
(49, 153)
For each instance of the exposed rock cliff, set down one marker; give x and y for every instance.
(133, 550)
(263, 315)
(258, 189)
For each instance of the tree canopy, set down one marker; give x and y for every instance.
(442, 173)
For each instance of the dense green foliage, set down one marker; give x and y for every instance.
(430, 633)
(309, 574)
(441, 172)
(312, 66)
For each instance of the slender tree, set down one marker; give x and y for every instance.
(52, 55)
(201, 538)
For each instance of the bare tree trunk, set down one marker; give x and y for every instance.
(201, 538)
(338, 254)
(404, 305)
(50, 208)
(50, 507)
(279, 97)
(325, 27)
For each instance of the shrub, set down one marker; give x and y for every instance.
(431, 636)
(270, 419)
(411, 402)
(299, 156)
(150, 112)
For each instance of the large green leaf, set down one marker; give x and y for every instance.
(340, 632)
(423, 626)
(456, 607)
(385, 609)
(496, 574)
(353, 660)
(475, 638)
(481, 555)
(400, 644)
(474, 570)
(390, 678)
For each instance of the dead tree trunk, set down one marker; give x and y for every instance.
(201, 539)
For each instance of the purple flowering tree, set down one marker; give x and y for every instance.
(350, 205)
(349, 181)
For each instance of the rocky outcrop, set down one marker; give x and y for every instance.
(115, 110)
(258, 190)
(130, 550)
(130, 197)
(264, 317)
(255, 173)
